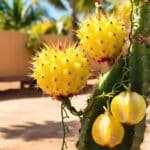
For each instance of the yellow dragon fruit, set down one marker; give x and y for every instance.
(60, 73)
(128, 107)
(101, 37)
(107, 130)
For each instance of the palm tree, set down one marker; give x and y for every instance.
(20, 14)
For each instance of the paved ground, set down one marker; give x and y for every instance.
(29, 121)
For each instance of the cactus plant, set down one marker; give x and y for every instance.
(139, 70)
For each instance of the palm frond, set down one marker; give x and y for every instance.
(17, 11)
(57, 3)
(4, 6)
(20, 14)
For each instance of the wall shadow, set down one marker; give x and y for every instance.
(20, 93)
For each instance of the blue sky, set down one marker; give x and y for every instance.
(51, 10)
(54, 12)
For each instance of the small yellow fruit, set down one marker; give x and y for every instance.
(129, 107)
(107, 130)
(60, 73)
(101, 37)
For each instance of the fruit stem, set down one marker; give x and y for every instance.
(67, 103)
(64, 115)
(129, 87)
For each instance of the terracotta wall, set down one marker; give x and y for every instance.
(15, 57)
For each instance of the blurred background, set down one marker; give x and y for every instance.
(20, 15)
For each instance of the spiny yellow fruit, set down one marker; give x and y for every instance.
(107, 131)
(123, 12)
(60, 73)
(101, 37)
(128, 107)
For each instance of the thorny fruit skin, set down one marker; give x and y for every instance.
(60, 73)
(101, 37)
(128, 107)
(107, 130)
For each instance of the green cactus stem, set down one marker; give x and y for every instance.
(138, 65)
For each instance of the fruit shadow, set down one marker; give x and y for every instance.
(34, 131)
(13, 94)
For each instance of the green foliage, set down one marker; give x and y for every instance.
(64, 25)
(79, 5)
(57, 3)
(20, 14)
(2, 20)
(36, 31)
(85, 6)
